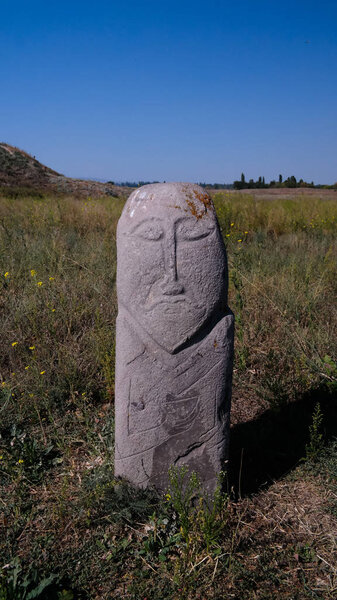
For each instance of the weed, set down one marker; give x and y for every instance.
(315, 444)
(14, 585)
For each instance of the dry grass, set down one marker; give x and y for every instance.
(62, 511)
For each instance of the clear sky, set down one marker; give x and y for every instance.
(172, 90)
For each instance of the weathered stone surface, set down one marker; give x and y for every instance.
(174, 337)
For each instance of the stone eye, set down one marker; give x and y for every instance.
(190, 230)
(149, 230)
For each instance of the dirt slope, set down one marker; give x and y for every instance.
(18, 169)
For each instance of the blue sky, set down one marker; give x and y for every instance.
(169, 90)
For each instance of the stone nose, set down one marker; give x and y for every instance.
(170, 286)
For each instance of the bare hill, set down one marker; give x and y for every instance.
(18, 169)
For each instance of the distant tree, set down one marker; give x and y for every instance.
(240, 184)
(291, 182)
(280, 178)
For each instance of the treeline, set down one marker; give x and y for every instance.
(136, 184)
(216, 186)
(290, 182)
(241, 184)
(132, 184)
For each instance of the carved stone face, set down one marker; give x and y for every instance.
(171, 273)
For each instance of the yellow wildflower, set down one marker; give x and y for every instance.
(51, 278)
(228, 235)
(3, 383)
(39, 283)
(232, 224)
(6, 274)
(27, 367)
(246, 232)
(1, 457)
(239, 240)
(42, 372)
(53, 310)
(14, 344)
(31, 347)
(33, 272)
(20, 461)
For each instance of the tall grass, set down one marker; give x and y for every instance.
(58, 307)
(57, 331)
(283, 275)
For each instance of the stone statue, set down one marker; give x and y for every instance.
(174, 347)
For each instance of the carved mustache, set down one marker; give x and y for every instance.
(169, 292)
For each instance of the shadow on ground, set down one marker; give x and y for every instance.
(266, 448)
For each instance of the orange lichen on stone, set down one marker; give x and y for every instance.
(200, 197)
(204, 198)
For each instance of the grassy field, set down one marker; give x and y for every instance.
(68, 528)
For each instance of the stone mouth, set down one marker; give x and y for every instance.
(168, 300)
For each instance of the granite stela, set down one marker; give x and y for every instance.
(175, 334)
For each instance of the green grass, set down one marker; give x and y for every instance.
(63, 515)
